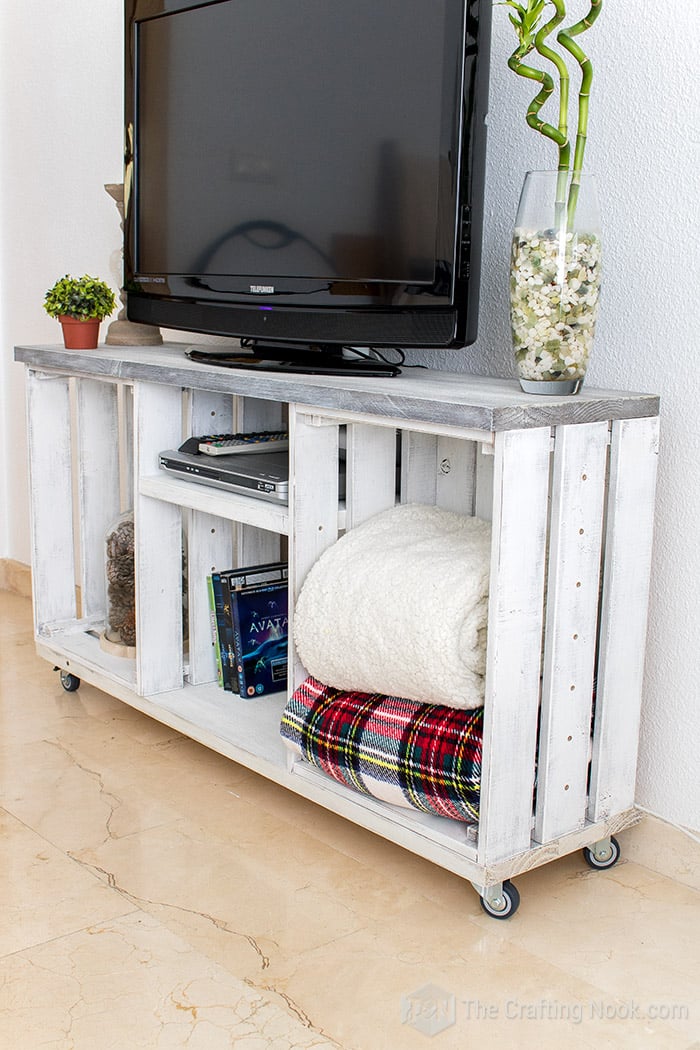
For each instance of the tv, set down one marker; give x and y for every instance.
(307, 176)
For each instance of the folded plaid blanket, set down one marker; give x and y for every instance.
(422, 755)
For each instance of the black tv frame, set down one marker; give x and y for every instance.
(293, 318)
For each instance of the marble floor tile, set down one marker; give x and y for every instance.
(130, 983)
(158, 895)
(44, 893)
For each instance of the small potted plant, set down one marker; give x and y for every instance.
(80, 304)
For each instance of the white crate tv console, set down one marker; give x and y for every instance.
(568, 484)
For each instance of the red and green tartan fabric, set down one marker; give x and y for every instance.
(415, 755)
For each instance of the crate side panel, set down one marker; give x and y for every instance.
(626, 573)
(576, 524)
(51, 494)
(515, 622)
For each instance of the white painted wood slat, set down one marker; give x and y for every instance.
(515, 620)
(626, 574)
(255, 546)
(208, 413)
(418, 467)
(98, 485)
(417, 397)
(313, 506)
(263, 514)
(253, 413)
(209, 549)
(483, 482)
(438, 470)
(125, 413)
(370, 472)
(51, 493)
(158, 529)
(456, 475)
(575, 539)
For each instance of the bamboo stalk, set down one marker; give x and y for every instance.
(533, 35)
(532, 116)
(562, 69)
(526, 22)
(565, 38)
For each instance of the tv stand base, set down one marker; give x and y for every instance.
(321, 359)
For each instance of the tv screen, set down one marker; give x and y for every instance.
(307, 172)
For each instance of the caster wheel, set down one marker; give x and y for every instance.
(506, 905)
(601, 860)
(70, 682)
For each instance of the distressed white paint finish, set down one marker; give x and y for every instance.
(125, 411)
(313, 505)
(438, 469)
(575, 540)
(483, 497)
(515, 620)
(418, 467)
(256, 546)
(511, 487)
(98, 485)
(456, 475)
(370, 472)
(158, 529)
(418, 398)
(399, 422)
(209, 549)
(263, 514)
(255, 413)
(628, 541)
(210, 544)
(207, 413)
(49, 438)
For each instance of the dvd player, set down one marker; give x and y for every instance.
(264, 475)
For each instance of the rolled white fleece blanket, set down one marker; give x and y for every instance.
(398, 606)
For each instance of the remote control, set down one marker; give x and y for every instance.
(259, 441)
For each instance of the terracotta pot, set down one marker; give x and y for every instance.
(79, 333)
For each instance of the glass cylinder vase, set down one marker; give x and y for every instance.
(555, 278)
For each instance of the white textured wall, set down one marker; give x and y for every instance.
(60, 141)
(60, 89)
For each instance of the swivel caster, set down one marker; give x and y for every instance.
(501, 905)
(602, 855)
(70, 682)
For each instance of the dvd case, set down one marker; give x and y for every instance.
(252, 628)
(222, 631)
(216, 608)
(260, 626)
